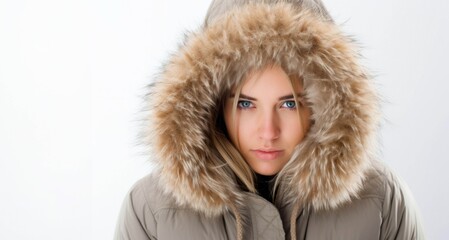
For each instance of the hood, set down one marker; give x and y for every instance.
(330, 163)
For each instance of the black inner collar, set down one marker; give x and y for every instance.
(264, 186)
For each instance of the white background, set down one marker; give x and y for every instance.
(73, 75)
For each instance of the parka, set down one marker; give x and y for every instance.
(337, 187)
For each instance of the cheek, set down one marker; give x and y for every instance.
(295, 128)
(245, 129)
(242, 129)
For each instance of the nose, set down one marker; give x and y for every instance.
(268, 128)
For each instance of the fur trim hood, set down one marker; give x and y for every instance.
(330, 163)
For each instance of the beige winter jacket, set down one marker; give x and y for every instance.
(336, 189)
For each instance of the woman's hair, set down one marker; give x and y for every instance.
(219, 7)
(220, 138)
(225, 150)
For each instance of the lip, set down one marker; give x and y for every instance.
(267, 154)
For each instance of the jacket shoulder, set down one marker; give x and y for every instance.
(380, 180)
(399, 212)
(137, 219)
(148, 193)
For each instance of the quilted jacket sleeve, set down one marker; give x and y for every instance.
(400, 218)
(136, 220)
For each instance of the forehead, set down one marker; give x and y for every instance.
(270, 80)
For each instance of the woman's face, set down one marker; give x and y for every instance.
(268, 123)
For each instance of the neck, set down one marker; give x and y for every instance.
(264, 186)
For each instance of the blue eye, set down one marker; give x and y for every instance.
(244, 104)
(289, 104)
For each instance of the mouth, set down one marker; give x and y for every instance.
(267, 154)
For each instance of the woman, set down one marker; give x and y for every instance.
(263, 127)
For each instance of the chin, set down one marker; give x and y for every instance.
(267, 172)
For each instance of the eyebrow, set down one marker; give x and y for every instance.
(290, 96)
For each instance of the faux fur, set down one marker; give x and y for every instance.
(329, 165)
